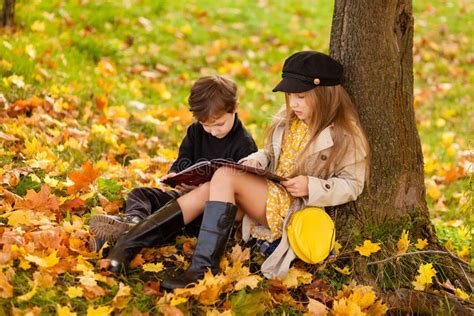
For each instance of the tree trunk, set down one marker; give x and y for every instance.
(373, 40)
(8, 13)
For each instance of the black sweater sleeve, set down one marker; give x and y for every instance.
(186, 150)
(248, 147)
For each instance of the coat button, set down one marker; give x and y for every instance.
(327, 186)
(324, 157)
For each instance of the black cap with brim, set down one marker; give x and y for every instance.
(291, 85)
(307, 70)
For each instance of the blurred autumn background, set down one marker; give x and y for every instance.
(93, 102)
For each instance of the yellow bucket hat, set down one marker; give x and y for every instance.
(311, 234)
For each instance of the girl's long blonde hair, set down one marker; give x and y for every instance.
(331, 105)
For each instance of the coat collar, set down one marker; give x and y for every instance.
(323, 141)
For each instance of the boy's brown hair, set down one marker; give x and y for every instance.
(211, 96)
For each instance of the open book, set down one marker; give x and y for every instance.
(202, 172)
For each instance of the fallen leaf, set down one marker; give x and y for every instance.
(424, 277)
(74, 292)
(41, 201)
(238, 255)
(6, 288)
(64, 311)
(44, 262)
(403, 243)
(421, 243)
(316, 308)
(250, 281)
(99, 311)
(153, 267)
(345, 270)
(296, 277)
(121, 299)
(368, 248)
(83, 178)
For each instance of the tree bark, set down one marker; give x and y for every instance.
(8, 13)
(374, 40)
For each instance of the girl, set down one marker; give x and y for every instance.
(316, 142)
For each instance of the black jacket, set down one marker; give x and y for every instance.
(198, 145)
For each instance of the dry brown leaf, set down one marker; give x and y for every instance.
(238, 255)
(6, 288)
(316, 308)
(40, 201)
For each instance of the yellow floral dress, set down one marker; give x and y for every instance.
(278, 199)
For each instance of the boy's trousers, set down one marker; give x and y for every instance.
(144, 201)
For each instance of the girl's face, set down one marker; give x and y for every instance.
(298, 103)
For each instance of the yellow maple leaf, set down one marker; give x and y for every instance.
(461, 294)
(44, 262)
(24, 264)
(99, 311)
(75, 291)
(421, 243)
(344, 307)
(364, 296)
(153, 267)
(403, 243)
(18, 218)
(122, 297)
(178, 300)
(296, 277)
(424, 277)
(368, 248)
(337, 247)
(64, 311)
(250, 281)
(345, 270)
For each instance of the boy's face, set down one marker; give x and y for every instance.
(220, 125)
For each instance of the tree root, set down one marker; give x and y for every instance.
(407, 301)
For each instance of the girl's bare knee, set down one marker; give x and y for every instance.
(223, 176)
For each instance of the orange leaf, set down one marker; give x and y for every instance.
(73, 205)
(40, 201)
(137, 261)
(101, 102)
(82, 179)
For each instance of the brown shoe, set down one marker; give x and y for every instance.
(110, 227)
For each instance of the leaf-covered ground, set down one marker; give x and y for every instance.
(93, 103)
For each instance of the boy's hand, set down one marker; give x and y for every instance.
(297, 186)
(184, 188)
(252, 163)
(166, 176)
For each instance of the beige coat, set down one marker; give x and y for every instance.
(344, 184)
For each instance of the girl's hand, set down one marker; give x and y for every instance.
(252, 163)
(184, 188)
(297, 186)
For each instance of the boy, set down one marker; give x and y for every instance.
(218, 133)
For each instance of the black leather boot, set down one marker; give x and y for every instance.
(216, 226)
(160, 227)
